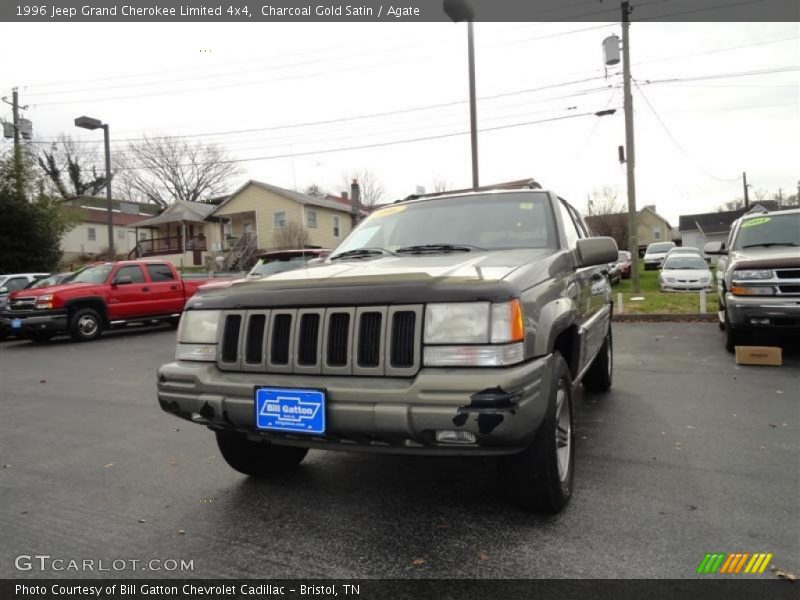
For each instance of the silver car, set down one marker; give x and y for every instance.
(684, 273)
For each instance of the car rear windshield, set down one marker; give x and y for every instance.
(660, 247)
(270, 266)
(96, 274)
(483, 221)
(684, 261)
(772, 230)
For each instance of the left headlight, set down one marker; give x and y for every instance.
(742, 274)
(473, 334)
(197, 336)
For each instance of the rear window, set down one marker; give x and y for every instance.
(159, 273)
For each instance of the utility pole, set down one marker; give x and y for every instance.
(18, 178)
(473, 111)
(780, 198)
(633, 243)
(746, 193)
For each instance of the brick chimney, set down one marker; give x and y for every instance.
(345, 196)
(355, 202)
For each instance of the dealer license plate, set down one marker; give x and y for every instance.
(290, 410)
(16, 323)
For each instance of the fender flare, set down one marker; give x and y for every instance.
(556, 316)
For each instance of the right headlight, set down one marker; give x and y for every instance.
(745, 274)
(197, 336)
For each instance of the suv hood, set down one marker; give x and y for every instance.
(416, 278)
(775, 257)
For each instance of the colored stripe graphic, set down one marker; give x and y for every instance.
(722, 562)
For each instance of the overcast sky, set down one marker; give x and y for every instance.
(180, 79)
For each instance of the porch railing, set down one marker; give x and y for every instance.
(167, 245)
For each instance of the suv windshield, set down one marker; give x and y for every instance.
(683, 261)
(666, 247)
(773, 230)
(483, 221)
(96, 274)
(270, 266)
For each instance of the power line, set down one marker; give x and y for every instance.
(362, 116)
(392, 143)
(676, 142)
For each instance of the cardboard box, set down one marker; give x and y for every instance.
(759, 355)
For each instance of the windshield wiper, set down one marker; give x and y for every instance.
(429, 248)
(768, 244)
(361, 253)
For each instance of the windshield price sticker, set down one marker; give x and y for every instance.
(754, 222)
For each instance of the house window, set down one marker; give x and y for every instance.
(280, 219)
(311, 218)
(335, 227)
(656, 232)
(142, 236)
(120, 234)
(92, 234)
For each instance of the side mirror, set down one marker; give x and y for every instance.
(123, 280)
(595, 251)
(714, 248)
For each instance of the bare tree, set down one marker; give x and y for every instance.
(440, 184)
(606, 215)
(78, 165)
(314, 190)
(164, 169)
(372, 191)
(292, 235)
(735, 204)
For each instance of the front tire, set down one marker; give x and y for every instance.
(599, 376)
(540, 478)
(86, 324)
(733, 337)
(258, 459)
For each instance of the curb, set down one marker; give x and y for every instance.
(665, 317)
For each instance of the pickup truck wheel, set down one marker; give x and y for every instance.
(540, 478)
(733, 337)
(598, 377)
(85, 324)
(259, 459)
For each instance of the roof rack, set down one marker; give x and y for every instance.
(529, 183)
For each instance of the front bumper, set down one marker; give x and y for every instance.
(33, 320)
(686, 287)
(503, 408)
(763, 311)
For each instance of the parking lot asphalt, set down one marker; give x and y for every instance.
(688, 454)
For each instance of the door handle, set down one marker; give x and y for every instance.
(145, 289)
(173, 287)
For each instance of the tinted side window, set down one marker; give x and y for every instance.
(132, 271)
(569, 225)
(159, 273)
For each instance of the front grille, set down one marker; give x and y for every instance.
(28, 303)
(377, 341)
(230, 339)
(788, 273)
(401, 353)
(369, 339)
(789, 289)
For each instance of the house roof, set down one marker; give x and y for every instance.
(298, 197)
(180, 210)
(718, 222)
(100, 215)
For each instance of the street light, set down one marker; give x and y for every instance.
(460, 10)
(90, 123)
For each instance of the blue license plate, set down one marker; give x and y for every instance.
(16, 323)
(290, 410)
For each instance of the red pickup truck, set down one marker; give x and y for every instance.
(111, 294)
